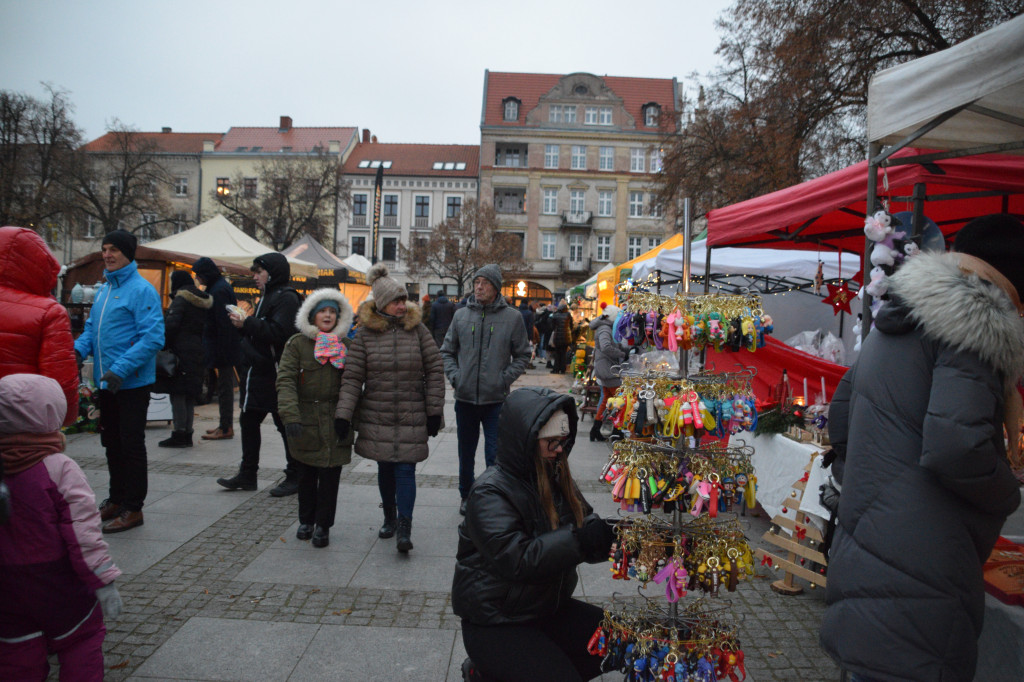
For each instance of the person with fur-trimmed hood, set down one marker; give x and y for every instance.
(917, 425)
(308, 381)
(394, 385)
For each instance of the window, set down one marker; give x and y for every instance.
(422, 211)
(391, 204)
(651, 113)
(576, 248)
(181, 186)
(511, 109)
(551, 156)
(249, 188)
(550, 201)
(389, 249)
(652, 242)
(655, 208)
(656, 161)
(359, 245)
(636, 160)
(522, 242)
(509, 200)
(604, 248)
(312, 189)
(606, 158)
(359, 205)
(576, 201)
(115, 187)
(508, 156)
(604, 203)
(590, 116)
(547, 245)
(223, 187)
(570, 114)
(90, 226)
(555, 113)
(604, 116)
(634, 247)
(579, 157)
(146, 230)
(636, 205)
(180, 223)
(454, 206)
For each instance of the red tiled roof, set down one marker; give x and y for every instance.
(171, 143)
(273, 140)
(529, 87)
(415, 159)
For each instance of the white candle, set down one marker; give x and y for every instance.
(823, 390)
(807, 396)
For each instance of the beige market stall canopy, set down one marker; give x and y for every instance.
(217, 238)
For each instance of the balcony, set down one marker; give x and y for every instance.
(581, 219)
(575, 266)
(389, 221)
(421, 221)
(359, 221)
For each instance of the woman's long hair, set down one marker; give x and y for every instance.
(559, 469)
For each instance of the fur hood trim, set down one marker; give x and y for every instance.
(199, 299)
(369, 319)
(962, 310)
(308, 329)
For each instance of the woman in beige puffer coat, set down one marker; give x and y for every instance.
(394, 378)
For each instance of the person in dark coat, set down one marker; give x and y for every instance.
(527, 527)
(441, 314)
(607, 354)
(527, 312)
(917, 424)
(183, 334)
(561, 337)
(264, 334)
(542, 321)
(221, 343)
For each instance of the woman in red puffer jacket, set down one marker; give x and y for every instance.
(35, 331)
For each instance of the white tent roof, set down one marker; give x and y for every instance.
(985, 74)
(734, 261)
(357, 263)
(218, 238)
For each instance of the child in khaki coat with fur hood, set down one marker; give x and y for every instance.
(308, 380)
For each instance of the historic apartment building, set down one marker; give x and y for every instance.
(569, 162)
(423, 185)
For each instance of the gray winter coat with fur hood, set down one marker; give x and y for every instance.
(926, 485)
(394, 376)
(307, 391)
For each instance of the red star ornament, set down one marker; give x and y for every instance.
(839, 297)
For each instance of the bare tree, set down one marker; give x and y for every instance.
(289, 197)
(37, 144)
(119, 182)
(460, 245)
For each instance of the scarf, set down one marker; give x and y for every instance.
(329, 348)
(21, 451)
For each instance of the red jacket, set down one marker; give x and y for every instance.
(35, 331)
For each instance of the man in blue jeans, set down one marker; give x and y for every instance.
(485, 350)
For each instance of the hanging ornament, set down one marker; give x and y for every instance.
(839, 297)
(819, 279)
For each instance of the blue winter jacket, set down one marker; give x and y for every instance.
(125, 329)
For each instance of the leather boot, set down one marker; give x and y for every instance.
(321, 537)
(404, 534)
(390, 522)
(289, 486)
(178, 439)
(126, 520)
(109, 510)
(243, 480)
(595, 432)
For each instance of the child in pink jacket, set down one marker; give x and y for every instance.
(56, 575)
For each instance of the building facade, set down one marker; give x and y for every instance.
(570, 163)
(423, 185)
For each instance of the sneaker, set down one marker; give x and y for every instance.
(125, 521)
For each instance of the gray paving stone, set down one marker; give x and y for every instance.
(358, 653)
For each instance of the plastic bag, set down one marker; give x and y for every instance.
(820, 343)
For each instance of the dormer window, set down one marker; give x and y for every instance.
(651, 114)
(511, 106)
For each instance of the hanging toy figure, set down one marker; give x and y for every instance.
(819, 278)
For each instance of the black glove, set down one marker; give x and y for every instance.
(79, 360)
(113, 381)
(433, 425)
(341, 427)
(596, 537)
(294, 431)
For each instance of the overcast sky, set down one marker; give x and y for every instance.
(409, 70)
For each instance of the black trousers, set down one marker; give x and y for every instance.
(550, 649)
(560, 358)
(123, 435)
(249, 421)
(318, 494)
(226, 396)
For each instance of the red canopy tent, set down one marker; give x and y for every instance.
(830, 210)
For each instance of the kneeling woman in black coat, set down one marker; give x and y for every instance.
(526, 529)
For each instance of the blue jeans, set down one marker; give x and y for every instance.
(397, 484)
(468, 419)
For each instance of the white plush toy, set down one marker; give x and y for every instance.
(883, 255)
(879, 283)
(878, 226)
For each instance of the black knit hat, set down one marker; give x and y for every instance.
(179, 279)
(997, 239)
(124, 241)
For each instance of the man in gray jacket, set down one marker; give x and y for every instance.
(484, 351)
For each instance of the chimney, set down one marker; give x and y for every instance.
(373, 139)
(165, 129)
(286, 124)
(366, 136)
